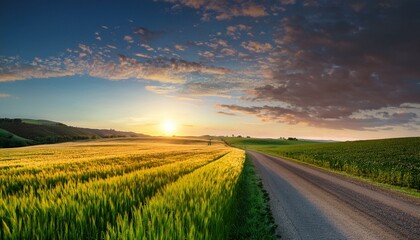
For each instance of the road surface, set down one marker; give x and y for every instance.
(309, 203)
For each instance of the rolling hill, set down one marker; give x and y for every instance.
(8, 139)
(23, 132)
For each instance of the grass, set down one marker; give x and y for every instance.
(261, 143)
(134, 188)
(41, 122)
(8, 139)
(388, 161)
(253, 216)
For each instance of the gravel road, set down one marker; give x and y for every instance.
(309, 203)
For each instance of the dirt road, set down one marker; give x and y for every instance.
(309, 203)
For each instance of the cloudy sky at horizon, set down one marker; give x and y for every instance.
(317, 69)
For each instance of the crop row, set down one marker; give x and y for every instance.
(199, 205)
(31, 170)
(391, 161)
(85, 210)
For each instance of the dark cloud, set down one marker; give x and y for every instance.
(334, 59)
(224, 10)
(302, 117)
(147, 35)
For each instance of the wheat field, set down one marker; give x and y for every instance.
(134, 188)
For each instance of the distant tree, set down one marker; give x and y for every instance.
(248, 137)
(239, 136)
(5, 120)
(292, 139)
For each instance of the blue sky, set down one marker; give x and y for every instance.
(305, 68)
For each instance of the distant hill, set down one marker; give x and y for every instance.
(8, 139)
(41, 122)
(23, 132)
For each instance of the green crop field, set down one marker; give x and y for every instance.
(390, 161)
(262, 144)
(134, 188)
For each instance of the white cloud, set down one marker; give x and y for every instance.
(128, 39)
(257, 47)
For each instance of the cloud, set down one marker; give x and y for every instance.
(358, 6)
(13, 70)
(188, 98)
(85, 48)
(224, 10)
(227, 113)
(29, 73)
(142, 55)
(180, 47)
(328, 64)
(160, 89)
(288, 2)
(160, 69)
(213, 86)
(165, 70)
(128, 39)
(244, 10)
(147, 35)
(234, 31)
(228, 52)
(4, 95)
(111, 46)
(222, 42)
(206, 54)
(293, 116)
(331, 62)
(257, 47)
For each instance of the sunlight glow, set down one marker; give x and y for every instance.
(169, 127)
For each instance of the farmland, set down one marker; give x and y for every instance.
(389, 161)
(133, 188)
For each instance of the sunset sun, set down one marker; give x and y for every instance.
(168, 127)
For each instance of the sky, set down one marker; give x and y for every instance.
(313, 69)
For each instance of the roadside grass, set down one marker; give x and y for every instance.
(253, 215)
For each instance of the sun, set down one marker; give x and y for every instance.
(169, 127)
